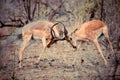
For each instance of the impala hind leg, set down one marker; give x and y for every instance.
(105, 32)
(26, 39)
(100, 51)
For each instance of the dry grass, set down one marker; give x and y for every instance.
(57, 62)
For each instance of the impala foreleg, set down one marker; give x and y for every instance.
(43, 50)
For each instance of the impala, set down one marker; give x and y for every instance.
(47, 31)
(90, 31)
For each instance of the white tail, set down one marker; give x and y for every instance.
(91, 31)
(43, 30)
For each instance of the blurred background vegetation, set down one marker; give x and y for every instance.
(14, 14)
(17, 13)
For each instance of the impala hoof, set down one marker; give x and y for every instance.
(48, 46)
(20, 66)
(36, 63)
(74, 47)
(20, 63)
(106, 63)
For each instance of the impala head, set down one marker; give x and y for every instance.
(70, 39)
(71, 35)
(55, 38)
(65, 36)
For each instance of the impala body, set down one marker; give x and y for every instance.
(90, 31)
(42, 29)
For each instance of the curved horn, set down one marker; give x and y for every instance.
(65, 30)
(65, 33)
(53, 32)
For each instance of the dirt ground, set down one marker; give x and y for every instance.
(57, 63)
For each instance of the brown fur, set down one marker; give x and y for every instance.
(91, 30)
(40, 29)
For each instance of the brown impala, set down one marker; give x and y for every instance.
(47, 31)
(90, 30)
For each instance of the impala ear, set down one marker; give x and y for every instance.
(73, 32)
